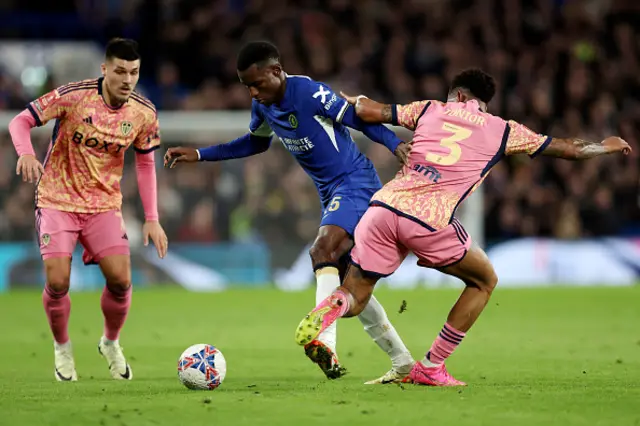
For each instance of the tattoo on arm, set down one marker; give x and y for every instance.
(574, 149)
(386, 113)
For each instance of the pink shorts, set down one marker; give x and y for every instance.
(101, 234)
(383, 239)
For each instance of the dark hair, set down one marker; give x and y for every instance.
(479, 83)
(122, 48)
(256, 52)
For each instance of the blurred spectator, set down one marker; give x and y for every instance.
(563, 68)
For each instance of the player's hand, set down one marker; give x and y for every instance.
(616, 144)
(359, 101)
(402, 152)
(350, 99)
(30, 168)
(180, 155)
(152, 230)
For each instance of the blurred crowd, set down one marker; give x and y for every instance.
(565, 68)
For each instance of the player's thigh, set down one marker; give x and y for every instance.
(377, 251)
(340, 218)
(104, 234)
(116, 269)
(475, 269)
(435, 248)
(346, 208)
(57, 232)
(58, 272)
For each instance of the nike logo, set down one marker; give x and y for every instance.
(127, 374)
(61, 377)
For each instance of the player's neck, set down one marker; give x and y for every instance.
(283, 90)
(481, 105)
(107, 98)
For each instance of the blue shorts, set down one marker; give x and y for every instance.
(346, 207)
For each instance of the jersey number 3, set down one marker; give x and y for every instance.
(458, 134)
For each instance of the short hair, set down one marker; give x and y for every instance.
(480, 84)
(256, 52)
(122, 48)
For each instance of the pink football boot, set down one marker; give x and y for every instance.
(322, 316)
(433, 376)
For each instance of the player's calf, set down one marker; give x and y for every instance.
(57, 307)
(480, 279)
(115, 303)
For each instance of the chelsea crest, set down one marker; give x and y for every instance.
(293, 121)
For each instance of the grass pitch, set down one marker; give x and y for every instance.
(545, 356)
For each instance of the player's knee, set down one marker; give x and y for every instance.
(58, 281)
(487, 282)
(119, 281)
(320, 253)
(58, 278)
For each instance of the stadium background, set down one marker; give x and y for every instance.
(553, 356)
(567, 68)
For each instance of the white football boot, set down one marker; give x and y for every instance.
(393, 376)
(112, 352)
(65, 370)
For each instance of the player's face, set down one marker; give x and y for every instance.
(264, 83)
(121, 77)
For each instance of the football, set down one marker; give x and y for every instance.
(202, 367)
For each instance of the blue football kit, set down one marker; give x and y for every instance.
(311, 122)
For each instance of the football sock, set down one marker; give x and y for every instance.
(115, 307)
(377, 325)
(447, 341)
(57, 306)
(328, 280)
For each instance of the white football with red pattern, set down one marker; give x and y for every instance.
(202, 367)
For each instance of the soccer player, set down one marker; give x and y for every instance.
(455, 146)
(78, 194)
(311, 121)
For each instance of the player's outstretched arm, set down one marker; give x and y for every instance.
(380, 134)
(580, 149)
(369, 110)
(244, 146)
(20, 130)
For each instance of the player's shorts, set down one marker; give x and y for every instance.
(101, 234)
(346, 207)
(384, 239)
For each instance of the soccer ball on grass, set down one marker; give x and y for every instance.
(202, 367)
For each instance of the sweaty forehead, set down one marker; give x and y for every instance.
(124, 64)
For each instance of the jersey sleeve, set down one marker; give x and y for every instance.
(258, 126)
(523, 140)
(149, 137)
(408, 115)
(50, 106)
(326, 103)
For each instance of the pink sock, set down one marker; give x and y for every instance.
(115, 307)
(57, 306)
(444, 345)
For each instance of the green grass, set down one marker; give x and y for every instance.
(536, 357)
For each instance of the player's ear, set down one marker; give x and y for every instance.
(460, 96)
(103, 69)
(277, 70)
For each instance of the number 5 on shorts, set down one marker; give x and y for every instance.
(458, 134)
(335, 204)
